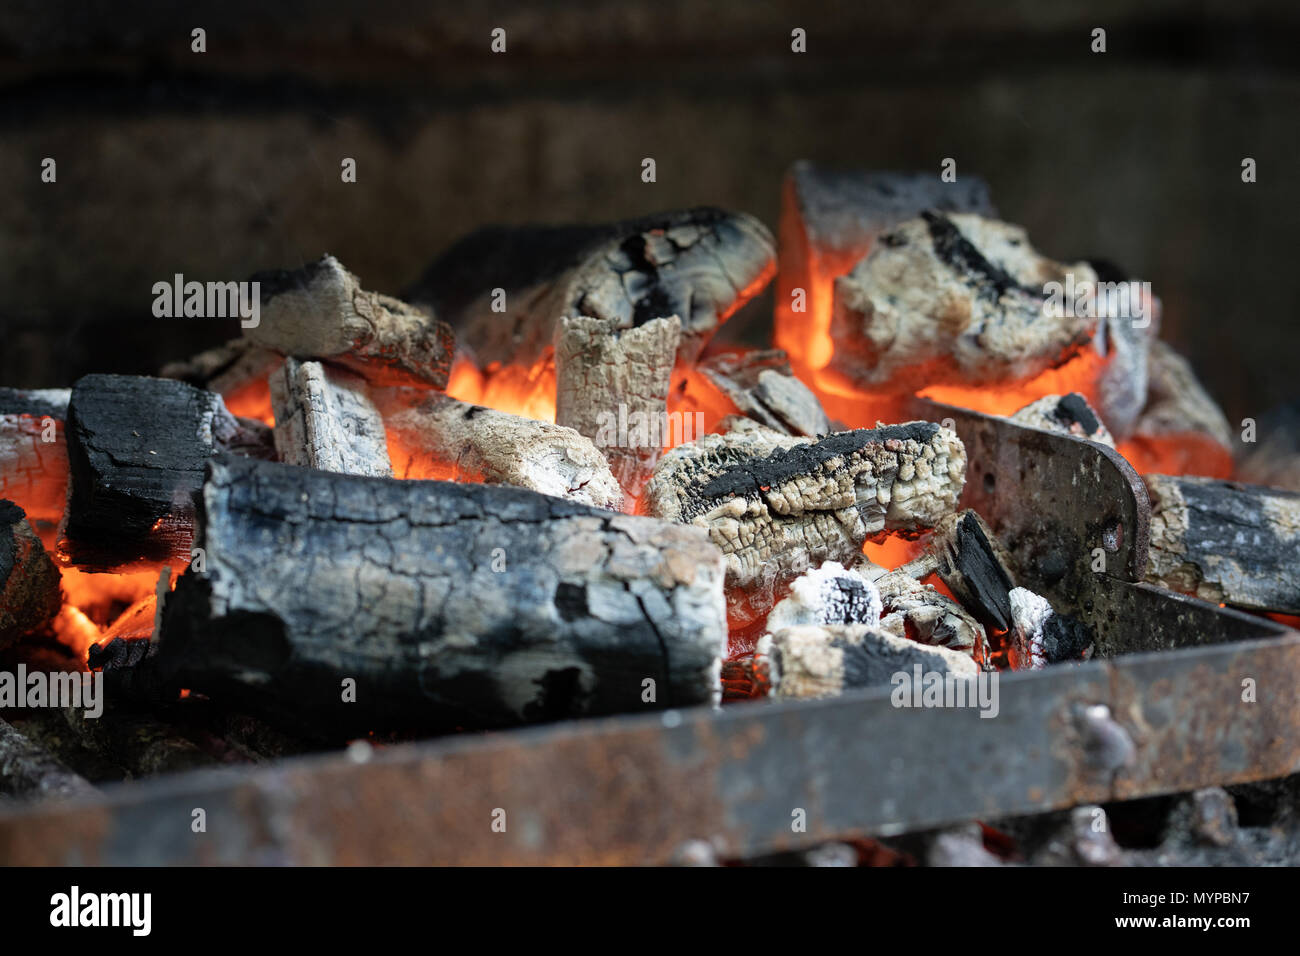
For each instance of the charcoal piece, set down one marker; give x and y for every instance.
(830, 220)
(341, 604)
(29, 581)
(973, 565)
(1225, 542)
(33, 452)
(237, 370)
(136, 451)
(921, 613)
(1181, 430)
(1066, 415)
(29, 771)
(321, 312)
(324, 419)
(1041, 635)
(698, 264)
(433, 435)
(825, 661)
(761, 386)
(828, 595)
(612, 386)
(955, 299)
(776, 505)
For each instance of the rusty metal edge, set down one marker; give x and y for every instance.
(633, 790)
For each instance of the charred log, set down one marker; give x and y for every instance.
(345, 604)
(1225, 542)
(324, 419)
(762, 387)
(136, 451)
(29, 581)
(321, 312)
(434, 435)
(698, 264)
(605, 377)
(953, 299)
(776, 504)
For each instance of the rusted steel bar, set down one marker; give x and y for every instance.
(635, 789)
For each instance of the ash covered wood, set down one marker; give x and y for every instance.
(33, 452)
(136, 451)
(28, 770)
(827, 660)
(1041, 636)
(953, 299)
(324, 419)
(29, 581)
(761, 386)
(441, 436)
(1182, 428)
(831, 218)
(776, 504)
(921, 613)
(349, 604)
(831, 594)
(698, 264)
(1125, 338)
(611, 385)
(321, 312)
(1066, 415)
(1225, 542)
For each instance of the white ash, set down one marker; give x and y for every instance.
(1042, 635)
(830, 594)
(1066, 415)
(953, 298)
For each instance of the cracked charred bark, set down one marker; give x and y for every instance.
(324, 419)
(449, 605)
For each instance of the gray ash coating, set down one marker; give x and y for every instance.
(850, 600)
(1073, 409)
(16, 401)
(990, 280)
(750, 476)
(273, 282)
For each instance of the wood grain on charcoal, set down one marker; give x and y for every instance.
(449, 605)
(324, 419)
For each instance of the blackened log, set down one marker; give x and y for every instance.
(761, 386)
(829, 221)
(1225, 542)
(321, 312)
(33, 453)
(1066, 415)
(605, 378)
(434, 436)
(953, 299)
(136, 450)
(324, 419)
(29, 771)
(449, 605)
(1181, 430)
(698, 264)
(776, 504)
(827, 660)
(29, 581)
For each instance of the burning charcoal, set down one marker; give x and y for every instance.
(1225, 542)
(761, 386)
(830, 594)
(136, 450)
(775, 504)
(612, 386)
(346, 604)
(1041, 636)
(432, 435)
(321, 312)
(825, 661)
(1067, 415)
(952, 299)
(324, 419)
(829, 222)
(698, 264)
(34, 471)
(28, 770)
(238, 371)
(1182, 429)
(921, 613)
(29, 581)
(973, 565)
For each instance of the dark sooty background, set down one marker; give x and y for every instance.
(219, 164)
